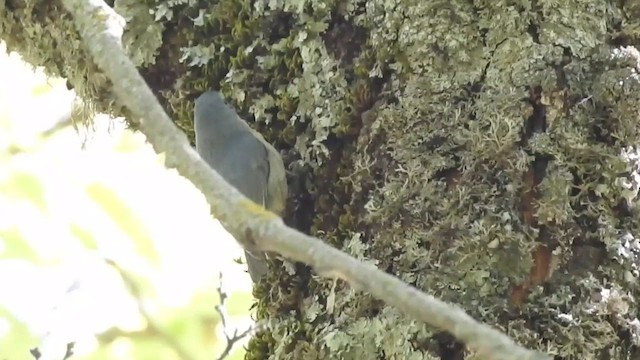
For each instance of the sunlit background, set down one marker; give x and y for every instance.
(100, 245)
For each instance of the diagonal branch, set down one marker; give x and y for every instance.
(101, 28)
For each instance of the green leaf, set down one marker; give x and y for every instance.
(14, 245)
(21, 185)
(124, 218)
(17, 341)
(85, 236)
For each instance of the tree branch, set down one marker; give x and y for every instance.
(101, 28)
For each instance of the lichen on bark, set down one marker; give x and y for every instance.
(494, 163)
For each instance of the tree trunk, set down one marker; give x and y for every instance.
(483, 151)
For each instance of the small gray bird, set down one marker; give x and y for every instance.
(243, 158)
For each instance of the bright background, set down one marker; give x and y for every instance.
(77, 200)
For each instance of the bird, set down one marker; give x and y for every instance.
(243, 158)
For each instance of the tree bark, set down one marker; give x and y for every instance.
(481, 151)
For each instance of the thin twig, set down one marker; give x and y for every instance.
(237, 336)
(35, 352)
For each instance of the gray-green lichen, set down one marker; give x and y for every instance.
(143, 35)
(450, 205)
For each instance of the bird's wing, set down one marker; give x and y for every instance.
(245, 165)
(276, 196)
(277, 182)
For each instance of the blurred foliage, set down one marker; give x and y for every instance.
(90, 249)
